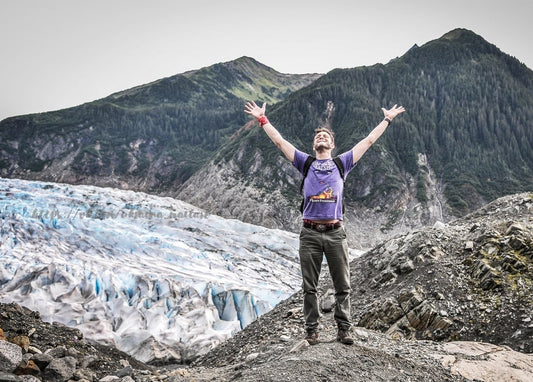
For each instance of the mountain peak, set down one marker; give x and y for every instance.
(453, 46)
(460, 34)
(249, 66)
(467, 37)
(247, 60)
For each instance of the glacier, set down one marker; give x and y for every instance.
(153, 276)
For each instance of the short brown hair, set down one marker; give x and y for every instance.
(326, 130)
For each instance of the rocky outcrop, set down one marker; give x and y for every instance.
(412, 297)
(256, 196)
(485, 362)
(407, 314)
(272, 349)
(467, 280)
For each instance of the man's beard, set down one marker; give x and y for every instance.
(320, 147)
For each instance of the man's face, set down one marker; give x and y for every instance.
(323, 142)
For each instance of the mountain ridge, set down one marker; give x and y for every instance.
(150, 138)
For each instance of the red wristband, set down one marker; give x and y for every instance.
(263, 120)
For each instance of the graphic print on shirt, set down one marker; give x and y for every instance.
(326, 195)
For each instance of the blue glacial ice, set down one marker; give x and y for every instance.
(138, 271)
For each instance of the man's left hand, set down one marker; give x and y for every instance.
(393, 112)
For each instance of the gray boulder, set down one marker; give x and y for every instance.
(60, 369)
(10, 356)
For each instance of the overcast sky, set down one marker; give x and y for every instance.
(60, 53)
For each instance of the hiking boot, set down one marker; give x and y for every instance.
(312, 337)
(343, 336)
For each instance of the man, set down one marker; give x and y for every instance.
(322, 232)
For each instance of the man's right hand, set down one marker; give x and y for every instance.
(259, 112)
(254, 110)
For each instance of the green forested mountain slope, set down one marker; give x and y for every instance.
(469, 119)
(151, 137)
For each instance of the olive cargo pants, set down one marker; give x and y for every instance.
(313, 246)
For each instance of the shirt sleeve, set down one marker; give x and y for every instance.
(347, 161)
(299, 160)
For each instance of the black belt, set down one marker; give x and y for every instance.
(322, 227)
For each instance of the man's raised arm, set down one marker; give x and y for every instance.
(361, 148)
(259, 113)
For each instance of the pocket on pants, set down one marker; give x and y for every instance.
(340, 233)
(305, 232)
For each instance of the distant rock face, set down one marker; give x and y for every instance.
(239, 198)
(251, 197)
(467, 280)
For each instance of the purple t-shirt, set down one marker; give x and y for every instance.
(323, 186)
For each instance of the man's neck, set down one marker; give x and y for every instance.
(326, 154)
